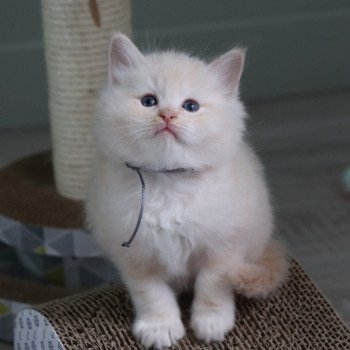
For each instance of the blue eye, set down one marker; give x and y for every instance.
(190, 106)
(149, 101)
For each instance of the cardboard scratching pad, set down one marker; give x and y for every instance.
(296, 317)
(16, 295)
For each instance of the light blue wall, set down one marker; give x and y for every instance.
(23, 95)
(294, 46)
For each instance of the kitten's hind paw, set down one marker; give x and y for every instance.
(158, 334)
(260, 279)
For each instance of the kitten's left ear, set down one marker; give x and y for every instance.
(122, 53)
(229, 67)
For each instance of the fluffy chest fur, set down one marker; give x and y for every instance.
(183, 213)
(167, 224)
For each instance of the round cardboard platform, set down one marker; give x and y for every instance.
(28, 195)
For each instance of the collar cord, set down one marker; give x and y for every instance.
(127, 244)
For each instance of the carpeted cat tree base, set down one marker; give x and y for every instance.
(296, 317)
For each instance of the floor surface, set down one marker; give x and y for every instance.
(305, 146)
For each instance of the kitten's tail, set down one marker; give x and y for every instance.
(266, 275)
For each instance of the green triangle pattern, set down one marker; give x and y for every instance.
(4, 309)
(56, 276)
(40, 250)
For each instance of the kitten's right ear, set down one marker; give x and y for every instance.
(122, 53)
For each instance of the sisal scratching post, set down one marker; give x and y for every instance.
(76, 35)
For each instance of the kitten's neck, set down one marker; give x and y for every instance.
(139, 171)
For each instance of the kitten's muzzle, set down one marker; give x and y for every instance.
(168, 128)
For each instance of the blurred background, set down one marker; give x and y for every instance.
(294, 47)
(296, 86)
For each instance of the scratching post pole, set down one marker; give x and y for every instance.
(76, 35)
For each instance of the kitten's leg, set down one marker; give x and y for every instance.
(158, 323)
(213, 309)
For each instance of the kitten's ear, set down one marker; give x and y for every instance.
(122, 53)
(229, 67)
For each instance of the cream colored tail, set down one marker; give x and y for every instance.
(266, 275)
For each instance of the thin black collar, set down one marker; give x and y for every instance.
(139, 171)
(162, 171)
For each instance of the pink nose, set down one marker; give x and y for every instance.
(167, 115)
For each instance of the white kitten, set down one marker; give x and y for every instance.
(200, 226)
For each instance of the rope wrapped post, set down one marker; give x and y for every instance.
(76, 34)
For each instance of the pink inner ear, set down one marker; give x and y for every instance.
(229, 67)
(119, 53)
(122, 52)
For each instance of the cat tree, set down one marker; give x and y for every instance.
(75, 36)
(42, 238)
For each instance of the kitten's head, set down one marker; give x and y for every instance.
(169, 110)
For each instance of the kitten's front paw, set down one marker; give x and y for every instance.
(158, 333)
(212, 325)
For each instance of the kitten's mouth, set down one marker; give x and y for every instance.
(166, 130)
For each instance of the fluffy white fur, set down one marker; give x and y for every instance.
(198, 227)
